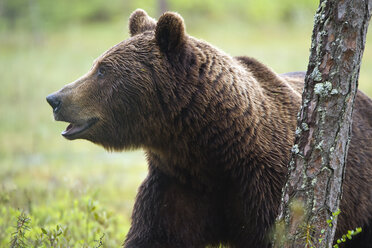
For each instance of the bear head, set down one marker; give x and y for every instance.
(130, 97)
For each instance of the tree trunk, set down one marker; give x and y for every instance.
(162, 6)
(316, 171)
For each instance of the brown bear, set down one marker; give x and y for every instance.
(217, 132)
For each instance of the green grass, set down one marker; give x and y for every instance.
(78, 186)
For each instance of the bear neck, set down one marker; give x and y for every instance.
(231, 117)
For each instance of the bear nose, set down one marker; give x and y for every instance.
(54, 101)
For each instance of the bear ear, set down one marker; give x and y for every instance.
(140, 22)
(170, 32)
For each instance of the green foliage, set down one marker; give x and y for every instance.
(349, 235)
(333, 217)
(18, 237)
(100, 241)
(40, 14)
(81, 223)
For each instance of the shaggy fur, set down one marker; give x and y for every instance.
(217, 132)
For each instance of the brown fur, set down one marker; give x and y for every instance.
(217, 132)
(140, 22)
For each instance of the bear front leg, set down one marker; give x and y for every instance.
(169, 214)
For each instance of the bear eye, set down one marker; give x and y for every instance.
(101, 71)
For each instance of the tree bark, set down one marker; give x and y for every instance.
(316, 171)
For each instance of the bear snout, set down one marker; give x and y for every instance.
(55, 101)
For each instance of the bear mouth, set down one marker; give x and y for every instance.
(73, 130)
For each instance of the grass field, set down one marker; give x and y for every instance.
(75, 192)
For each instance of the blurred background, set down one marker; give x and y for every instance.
(76, 194)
